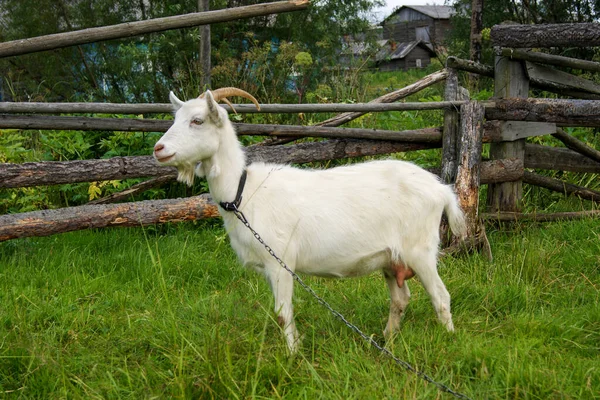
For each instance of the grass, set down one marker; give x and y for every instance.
(168, 312)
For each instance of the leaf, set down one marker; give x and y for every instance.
(94, 191)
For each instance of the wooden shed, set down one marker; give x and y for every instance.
(414, 33)
(403, 56)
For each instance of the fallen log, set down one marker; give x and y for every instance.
(558, 159)
(149, 212)
(135, 189)
(559, 186)
(561, 216)
(577, 145)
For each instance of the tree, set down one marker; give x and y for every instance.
(145, 68)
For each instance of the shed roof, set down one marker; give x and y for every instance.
(436, 12)
(402, 50)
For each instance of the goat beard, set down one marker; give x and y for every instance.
(185, 174)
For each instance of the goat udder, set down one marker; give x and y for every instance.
(402, 273)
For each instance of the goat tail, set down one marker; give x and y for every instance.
(456, 217)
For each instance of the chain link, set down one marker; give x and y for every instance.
(350, 325)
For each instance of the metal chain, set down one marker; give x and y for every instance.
(350, 325)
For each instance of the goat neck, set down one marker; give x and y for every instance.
(224, 169)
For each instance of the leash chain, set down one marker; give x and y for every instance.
(350, 325)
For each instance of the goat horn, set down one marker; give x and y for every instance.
(223, 93)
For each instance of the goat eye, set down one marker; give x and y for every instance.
(197, 121)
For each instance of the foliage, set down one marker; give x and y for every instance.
(169, 313)
(144, 69)
(521, 12)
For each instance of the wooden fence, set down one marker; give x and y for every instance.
(505, 122)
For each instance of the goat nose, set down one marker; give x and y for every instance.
(159, 147)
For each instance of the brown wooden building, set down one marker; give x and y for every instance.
(412, 35)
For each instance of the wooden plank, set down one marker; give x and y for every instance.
(510, 81)
(488, 70)
(142, 213)
(559, 186)
(558, 80)
(508, 131)
(558, 159)
(546, 35)
(544, 58)
(129, 29)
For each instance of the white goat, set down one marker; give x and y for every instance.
(342, 222)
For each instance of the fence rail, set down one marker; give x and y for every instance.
(509, 121)
(129, 29)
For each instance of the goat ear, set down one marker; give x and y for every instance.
(213, 109)
(175, 101)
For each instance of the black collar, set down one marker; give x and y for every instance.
(233, 206)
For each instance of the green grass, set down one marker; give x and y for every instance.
(168, 312)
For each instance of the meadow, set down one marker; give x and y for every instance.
(169, 312)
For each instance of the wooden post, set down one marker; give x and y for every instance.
(204, 51)
(475, 39)
(467, 177)
(453, 92)
(510, 81)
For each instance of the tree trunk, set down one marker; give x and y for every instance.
(204, 51)
(475, 38)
